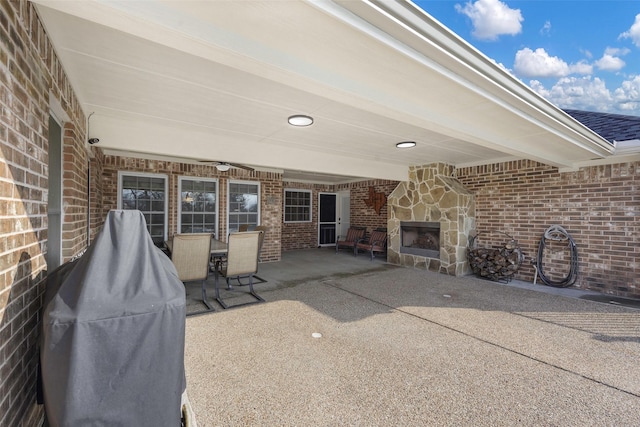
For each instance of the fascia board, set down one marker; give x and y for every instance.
(414, 32)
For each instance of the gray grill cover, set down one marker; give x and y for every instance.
(113, 333)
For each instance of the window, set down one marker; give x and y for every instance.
(297, 206)
(148, 194)
(198, 207)
(244, 203)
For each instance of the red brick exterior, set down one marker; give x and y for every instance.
(362, 214)
(30, 74)
(599, 206)
(270, 197)
(281, 236)
(304, 235)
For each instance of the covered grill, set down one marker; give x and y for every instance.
(113, 333)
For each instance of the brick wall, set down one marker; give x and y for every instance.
(361, 213)
(279, 237)
(304, 235)
(29, 74)
(270, 197)
(599, 206)
(76, 198)
(96, 194)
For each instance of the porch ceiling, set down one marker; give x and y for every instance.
(216, 80)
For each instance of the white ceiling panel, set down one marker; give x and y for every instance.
(222, 77)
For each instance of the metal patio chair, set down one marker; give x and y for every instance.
(241, 263)
(190, 254)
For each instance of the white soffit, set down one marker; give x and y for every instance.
(216, 80)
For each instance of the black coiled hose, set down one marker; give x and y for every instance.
(557, 233)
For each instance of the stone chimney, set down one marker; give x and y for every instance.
(432, 195)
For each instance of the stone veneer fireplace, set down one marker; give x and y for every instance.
(431, 197)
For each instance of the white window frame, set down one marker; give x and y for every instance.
(121, 174)
(181, 179)
(284, 206)
(240, 181)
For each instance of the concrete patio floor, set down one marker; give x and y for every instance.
(402, 347)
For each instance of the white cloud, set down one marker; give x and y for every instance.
(538, 63)
(581, 67)
(546, 28)
(586, 93)
(492, 18)
(616, 51)
(586, 53)
(627, 96)
(633, 33)
(578, 93)
(609, 63)
(611, 60)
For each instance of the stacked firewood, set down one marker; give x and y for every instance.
(498, 264)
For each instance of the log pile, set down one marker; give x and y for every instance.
(498, 264)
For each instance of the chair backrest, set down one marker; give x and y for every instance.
(242, 255)
(355, 233)
(263, 229)
(378, 237)
(190, 255)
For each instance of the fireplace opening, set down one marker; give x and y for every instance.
(420, 238)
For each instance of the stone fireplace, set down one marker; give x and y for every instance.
(431, 209)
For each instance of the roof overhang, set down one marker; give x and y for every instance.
(216, 81)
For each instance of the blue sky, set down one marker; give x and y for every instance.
(582, 55)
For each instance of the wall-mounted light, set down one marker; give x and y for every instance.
(406, 144)
(300, 120)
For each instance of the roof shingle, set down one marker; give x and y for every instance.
(612, 127)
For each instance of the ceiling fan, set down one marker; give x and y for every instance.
(225, 166)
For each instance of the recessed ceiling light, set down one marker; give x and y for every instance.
(406, 144)
(300, 120)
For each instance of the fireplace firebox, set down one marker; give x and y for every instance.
(420, 238)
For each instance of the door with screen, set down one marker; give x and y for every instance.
(327, 219)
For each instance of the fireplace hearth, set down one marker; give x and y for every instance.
(420, 238)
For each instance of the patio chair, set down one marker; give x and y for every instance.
(263, 229)
(354, 234)
(241, 263)
(375, 243)
(190, 255)
(257, 279)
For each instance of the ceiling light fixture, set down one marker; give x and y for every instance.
(223, 167)
(300, 120)
(406, 144)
